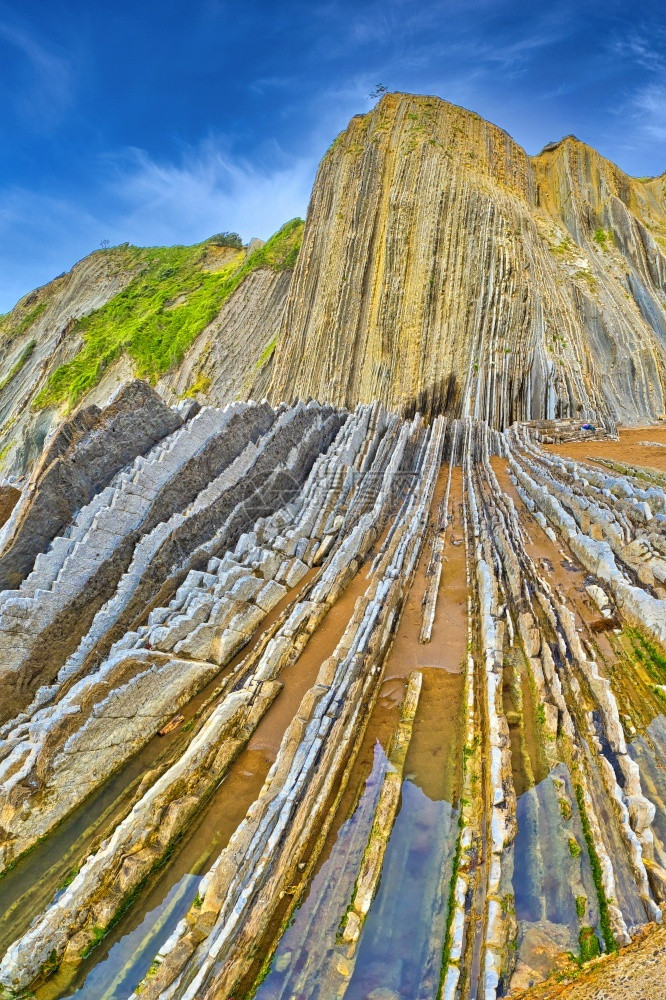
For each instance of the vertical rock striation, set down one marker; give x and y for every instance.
(444, 269)
(273, 572)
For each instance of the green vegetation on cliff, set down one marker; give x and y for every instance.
(162, 310)
(15, 323)
(26, 354)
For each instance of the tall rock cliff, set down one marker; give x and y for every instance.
(209, 614)
(443, 268)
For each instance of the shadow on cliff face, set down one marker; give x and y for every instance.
(439, 397)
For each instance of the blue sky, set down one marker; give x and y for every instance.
(164, 122)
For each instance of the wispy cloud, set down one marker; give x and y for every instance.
(649, 108)
(145, 201)
(40, 236)
(291, 76)
(204, 192)
(47, 84)
(642, 50)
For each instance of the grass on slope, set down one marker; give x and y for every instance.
(13, 325)
(26, 354)
(159, 314)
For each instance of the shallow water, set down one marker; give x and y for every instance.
(406, 924)
(547, 879)
(210, 833)
(308, 943)
(403, 937)
(649, 752)
(28, 887)
(129, 959)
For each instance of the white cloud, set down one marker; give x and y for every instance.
(649, 107)
(642, 50)
(141, 200)
(207, 191)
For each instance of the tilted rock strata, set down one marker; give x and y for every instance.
(42, 621)
(454, 300)
(232, 358)
(315, 756)
(78, 741)
(89, 285)
(240, 510)
(443, 268)
(139, 841)
(78, 461)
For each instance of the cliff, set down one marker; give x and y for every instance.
(194, 321)
(330, 698)
(444, 269)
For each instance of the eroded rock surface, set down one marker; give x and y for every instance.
(501, 291)
(245, 528)
(211, 613)
(78, 461)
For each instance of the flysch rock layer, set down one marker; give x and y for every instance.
(89, 285)
(454, 301)
(239, 510)
(444, 269)
(98, 721)
(233, 355)
(244, 886)
(42, 621)
(78, 461)
(138, 843)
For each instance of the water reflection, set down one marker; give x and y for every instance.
(304, 949)
(649, 752)
(553, 886)
(401, 949)
(129, 959)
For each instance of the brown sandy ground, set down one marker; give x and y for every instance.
(638, 972)
(630, 448)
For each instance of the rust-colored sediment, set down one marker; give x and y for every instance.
(630, 448)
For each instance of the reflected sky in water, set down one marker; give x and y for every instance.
(130, 958)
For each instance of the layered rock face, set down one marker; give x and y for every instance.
(81, 458)
(40, 342)
(225, 628)
(232, 357)
(84, 336)
(359, 690)
(444, 269)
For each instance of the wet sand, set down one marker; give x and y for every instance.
(628, 449)
(449, 634)
(28, 887)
